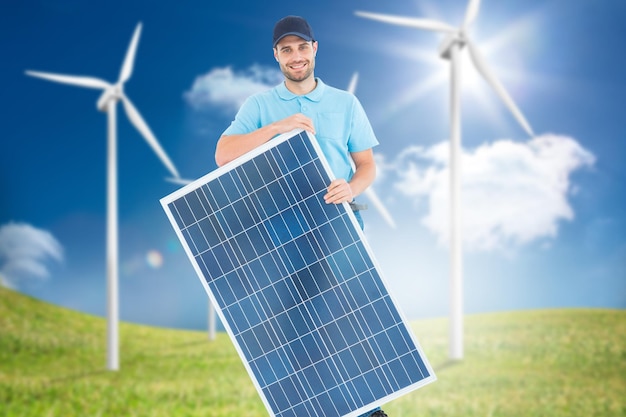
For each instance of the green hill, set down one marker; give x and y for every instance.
(529, 363)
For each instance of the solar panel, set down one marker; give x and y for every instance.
(295, 283)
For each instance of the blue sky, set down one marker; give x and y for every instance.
(544, 222)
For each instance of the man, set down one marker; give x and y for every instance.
(302, 101)
(335, 117)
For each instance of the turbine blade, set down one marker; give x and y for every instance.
(482, 68)
(127, 68)
(353, 82)
(371, 195)
(178, 180)
(89, 82)
(143, 128)
(471, 13)
(426, 24)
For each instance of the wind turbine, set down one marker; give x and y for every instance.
(369, 191)
(450, 49)
(107, 103)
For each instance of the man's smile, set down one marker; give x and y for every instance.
(298, 66)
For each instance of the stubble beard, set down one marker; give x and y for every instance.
(309, 72)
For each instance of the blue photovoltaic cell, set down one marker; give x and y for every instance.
(295, 284)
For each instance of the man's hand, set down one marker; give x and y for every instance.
(230, 147)
(339, 191)
(296, 121)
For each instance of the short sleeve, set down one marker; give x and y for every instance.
(362, 135)
(247, 119)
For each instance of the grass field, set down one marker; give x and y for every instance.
(549, 363)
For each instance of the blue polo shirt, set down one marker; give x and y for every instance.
(340, 122)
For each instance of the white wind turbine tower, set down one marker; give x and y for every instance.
(369, 192)
(107, 103)
(450, 49)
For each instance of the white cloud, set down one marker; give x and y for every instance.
(223, 87)
(24, 251)
(512, 193)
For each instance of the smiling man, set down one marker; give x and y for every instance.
(302, 101)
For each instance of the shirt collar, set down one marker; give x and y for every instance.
(315, 95)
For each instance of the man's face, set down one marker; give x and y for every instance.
(296, 57)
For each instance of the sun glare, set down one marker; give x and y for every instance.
(154, 259)
(471, 81)
(504, 63)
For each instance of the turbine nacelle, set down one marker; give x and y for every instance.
(112, 93)
(457, 38)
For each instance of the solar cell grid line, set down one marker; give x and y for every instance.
(295, 283)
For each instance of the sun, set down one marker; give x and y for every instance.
(501, 52)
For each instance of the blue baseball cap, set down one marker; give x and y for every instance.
(292, 25)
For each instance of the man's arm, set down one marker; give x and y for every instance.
(341, 191)
(230, 147)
